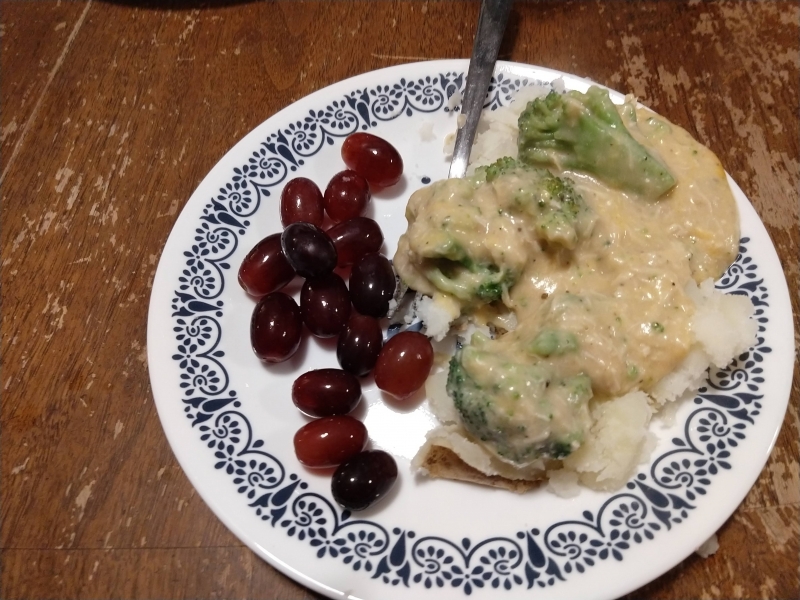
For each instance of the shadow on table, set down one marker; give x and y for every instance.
(506, 47)
(178, 4)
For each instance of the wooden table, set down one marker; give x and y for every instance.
(112, 113)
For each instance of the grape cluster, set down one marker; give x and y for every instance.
(330, 308)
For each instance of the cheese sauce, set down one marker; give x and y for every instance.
(604, 300)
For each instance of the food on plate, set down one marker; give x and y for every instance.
(325, 305)
(465, 238)
(265, 269)
(584, 132)
(301, 201)
(575, 264)
(326, 392)
(374, 158)
(372, 285)
(346, 196)
(361, 481)
(354, 238)
(404, 364)
(359, 344)
(275, 327)
(329, 441)
(308, 249)
(305, 249)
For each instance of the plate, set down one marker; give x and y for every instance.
(230, 419)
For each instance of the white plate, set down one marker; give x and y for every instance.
(230, 419)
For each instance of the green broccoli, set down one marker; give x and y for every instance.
(584, 132)
(517, 409)
(554, 342)
(468, 280)
(448, 232)
(500, 167)
(560, 214)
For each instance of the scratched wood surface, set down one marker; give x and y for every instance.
(112, 113)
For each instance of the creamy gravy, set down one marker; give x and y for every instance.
(604, 299)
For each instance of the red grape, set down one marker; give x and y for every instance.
(326, 392)
(354, 238)
(275, 327)
(325, 305)
(359, 344)
(265, 269)
(374, 158)
(372, 285)
(346, 196)
(329, 441)
(301, 200)
(404, 364)
(364, 479)
(308, 249)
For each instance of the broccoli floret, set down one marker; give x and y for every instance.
(499, 167)
(467, 280)
(554, 342)
(559, 449)
(558, 217)
(584, 132)
(516, 409)
(468, 397)
(489, 291)
(560, 213)
(479, 413)
(466, 235)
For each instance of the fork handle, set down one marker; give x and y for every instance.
(491, 26)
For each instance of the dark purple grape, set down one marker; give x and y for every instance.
(301, 201)
(275, 327)
(362, 480)
(326, 392)
(329, 441)
(374, 158)
(359, 344)
(325, 305)
(354, 238)
(308, 249)
(265, 269)
(346, 196)
(404, 364)
(372, 284)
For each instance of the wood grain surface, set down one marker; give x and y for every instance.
(113, 112)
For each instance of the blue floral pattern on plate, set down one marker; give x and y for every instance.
(651, 503)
